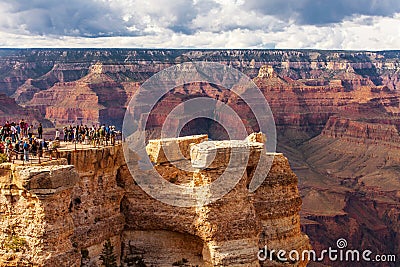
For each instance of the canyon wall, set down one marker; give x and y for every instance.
(352, 188)
(61, 214)
(54, 81)
(12, 112)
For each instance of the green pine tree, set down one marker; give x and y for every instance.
(107, 255)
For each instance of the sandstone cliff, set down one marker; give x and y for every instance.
(60, 215)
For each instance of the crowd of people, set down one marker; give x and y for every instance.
(23, 139)
(102, 135)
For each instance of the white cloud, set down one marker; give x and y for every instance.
(381, 34)
(184, 24)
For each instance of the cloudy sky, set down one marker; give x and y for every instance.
(321, 24)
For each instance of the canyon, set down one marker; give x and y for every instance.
(337, 115)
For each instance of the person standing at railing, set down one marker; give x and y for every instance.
(40, 131)
(14, 133)
(18, 131)
(76, 133)
(40, 149)
(34, 147)
(30, 131)
(26, 151)
(2, 133)
(22, 127)
(57, 137)
(8, 147)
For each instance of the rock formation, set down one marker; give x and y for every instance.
(61, 213)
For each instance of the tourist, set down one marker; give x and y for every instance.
(40, 149)
(18, 131)
(34, 147)
(30, 131)
(50, 149)
(14, 133)
(65, 132)
(112, 135)
(75, 133)
(70, 133)
(2, 133)
(26, 150)
(40, 131)
(22, 125)
(8, 147)
(43, 144)
(57, 137)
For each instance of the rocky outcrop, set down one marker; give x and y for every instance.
(60, 215)
(36, 226)
(228, 232)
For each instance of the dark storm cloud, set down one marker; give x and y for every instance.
(320, 12)
(183, 12)
(84, 18)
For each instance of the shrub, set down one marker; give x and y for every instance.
(15, 243)
(3, 158)
(107, 255)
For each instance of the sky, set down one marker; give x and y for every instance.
(251, 24)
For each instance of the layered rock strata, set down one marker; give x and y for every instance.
(12, 112)
(62, 213)
(229, 231)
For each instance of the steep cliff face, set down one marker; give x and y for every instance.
(36, 226)
(228, 232)
(95, 202)
(61, 215)
(361, 132)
